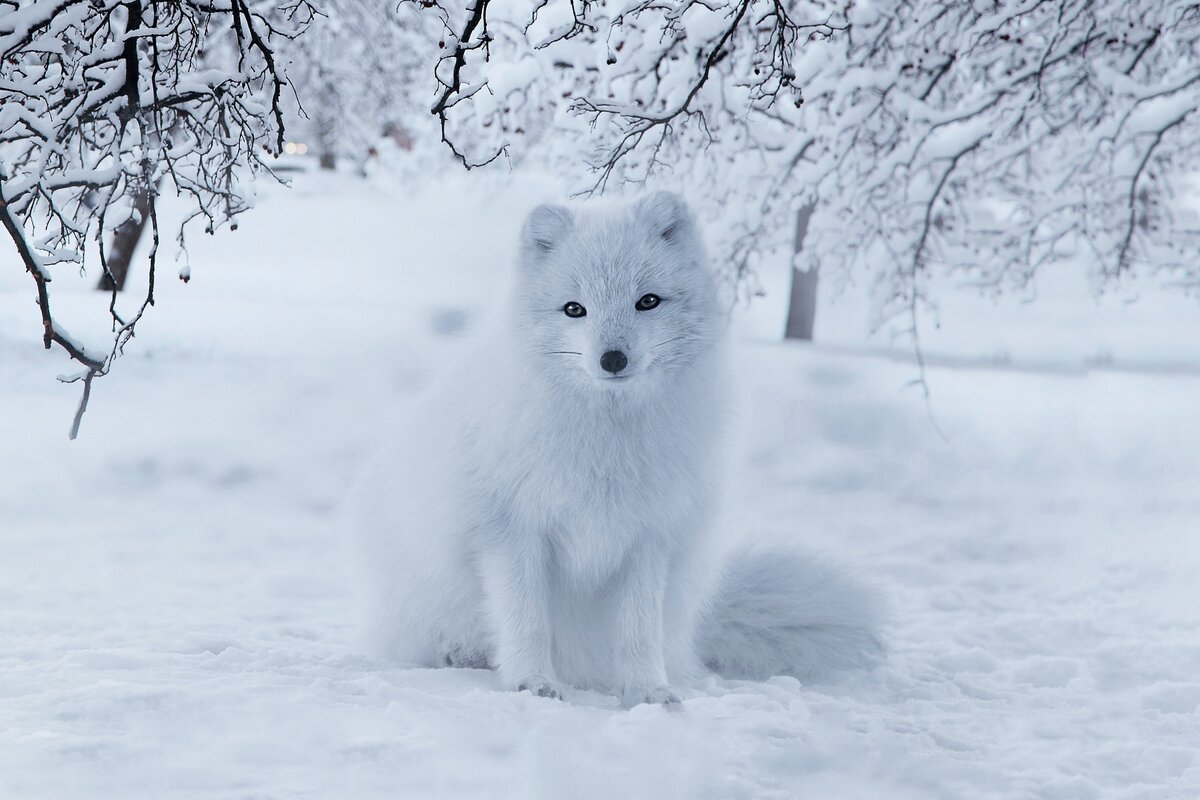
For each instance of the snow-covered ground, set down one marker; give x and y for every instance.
(176, 616)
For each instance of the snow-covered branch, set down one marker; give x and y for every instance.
(102, 100)
(985, 138)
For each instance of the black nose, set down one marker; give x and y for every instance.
(613, 361)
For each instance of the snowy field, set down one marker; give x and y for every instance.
(176, 603)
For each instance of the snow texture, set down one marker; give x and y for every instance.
(177, 613)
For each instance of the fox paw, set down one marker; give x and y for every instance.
(540, 686)
(654, 695)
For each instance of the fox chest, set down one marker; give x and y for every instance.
(595, 505)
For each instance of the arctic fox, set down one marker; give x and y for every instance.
(546, 513)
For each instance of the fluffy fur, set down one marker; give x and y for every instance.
(547, 519)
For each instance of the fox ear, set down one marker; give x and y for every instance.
(545, 229)
(666, 214)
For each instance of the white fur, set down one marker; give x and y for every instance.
(543, 519)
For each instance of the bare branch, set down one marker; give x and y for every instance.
(99, 101)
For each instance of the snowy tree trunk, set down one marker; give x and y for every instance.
(802, 309)
(326, 127)
(125, 241)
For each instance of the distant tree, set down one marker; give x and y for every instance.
(356, 70)
(982, 138)
(100, 100)
(802, 304)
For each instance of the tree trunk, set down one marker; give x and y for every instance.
(802, 309)
(124, 243)
(327, 126)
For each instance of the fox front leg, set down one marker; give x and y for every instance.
(516, 591)
(640, 666)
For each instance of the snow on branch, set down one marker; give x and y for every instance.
(984, 139)
(103, 100)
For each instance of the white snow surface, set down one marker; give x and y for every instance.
(177, 617)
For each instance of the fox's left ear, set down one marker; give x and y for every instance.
(666, 214)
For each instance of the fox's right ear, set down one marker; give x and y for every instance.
(545, 229)
(666, 214)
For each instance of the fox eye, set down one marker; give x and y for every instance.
(647, 302)
(574, 310)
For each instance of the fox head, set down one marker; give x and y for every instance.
(618, 298)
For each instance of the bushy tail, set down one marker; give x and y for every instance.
(781, 613)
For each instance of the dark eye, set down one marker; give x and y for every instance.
(647, 302)
(574, 310)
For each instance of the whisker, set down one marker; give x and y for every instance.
(668, 341)
(561, 352)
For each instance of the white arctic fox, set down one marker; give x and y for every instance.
(546, 512)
